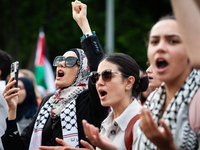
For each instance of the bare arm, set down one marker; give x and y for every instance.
(187, 13)
(79, 11)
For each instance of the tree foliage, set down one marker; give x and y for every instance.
(21, 21)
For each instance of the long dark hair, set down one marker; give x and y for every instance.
(128, 66)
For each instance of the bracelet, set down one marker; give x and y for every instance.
(92, 33)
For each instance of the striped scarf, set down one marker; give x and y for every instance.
(175, 115)
(63, 104)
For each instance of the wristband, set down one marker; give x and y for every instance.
(91, 33)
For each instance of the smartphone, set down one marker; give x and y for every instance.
(14, 72)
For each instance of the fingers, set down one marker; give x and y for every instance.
(96, 138)
(147, 124)
(62, 142)
(11, 97)
(10, 83)
(91, 132)
(93, 129)
(78, 2)
(146, 117)
(8, 89)
(151, 131)
(57, 148)
(72, 6)
(46, 148)
(8, 94)
(79, 13)
(11, 79)
(167, 130)
(87, 145)
(85, 128)
(77, 6)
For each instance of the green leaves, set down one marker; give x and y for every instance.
(20, 22)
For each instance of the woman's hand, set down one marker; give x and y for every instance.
(67, 146)
(92, 133)
(11, 96)
(162, 139)
(79, 11)
(60, 141)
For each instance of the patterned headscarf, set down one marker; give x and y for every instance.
(63, 104)
(64, 95)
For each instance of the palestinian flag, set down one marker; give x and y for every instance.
(43, 70)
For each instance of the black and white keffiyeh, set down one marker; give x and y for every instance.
(62, 104)
(175, 115)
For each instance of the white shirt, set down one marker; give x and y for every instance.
(3, 111)
(115, 130)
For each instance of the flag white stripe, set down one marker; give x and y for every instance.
(49, 76)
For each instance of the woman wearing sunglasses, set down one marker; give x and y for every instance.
(171, 121)
(61, 114)
(118, 84)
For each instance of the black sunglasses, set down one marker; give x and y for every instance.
(69, 61)
(106, 75)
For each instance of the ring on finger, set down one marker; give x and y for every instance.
(86, 137)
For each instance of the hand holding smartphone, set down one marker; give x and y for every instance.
(14, 72)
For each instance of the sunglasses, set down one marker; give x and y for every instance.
(69, 61)
(106, 75)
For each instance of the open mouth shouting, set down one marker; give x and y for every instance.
(102, 94)
(150, 78)
(60, 74)
(161, 65)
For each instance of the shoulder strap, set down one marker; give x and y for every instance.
(128, 138)
(194, 113)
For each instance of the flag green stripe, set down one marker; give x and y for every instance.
(40, 76)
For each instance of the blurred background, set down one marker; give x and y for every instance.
(21, 21)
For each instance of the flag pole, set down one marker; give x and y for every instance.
(109, 45)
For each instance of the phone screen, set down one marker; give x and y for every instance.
(14, 72)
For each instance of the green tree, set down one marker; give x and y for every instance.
(21, 21)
